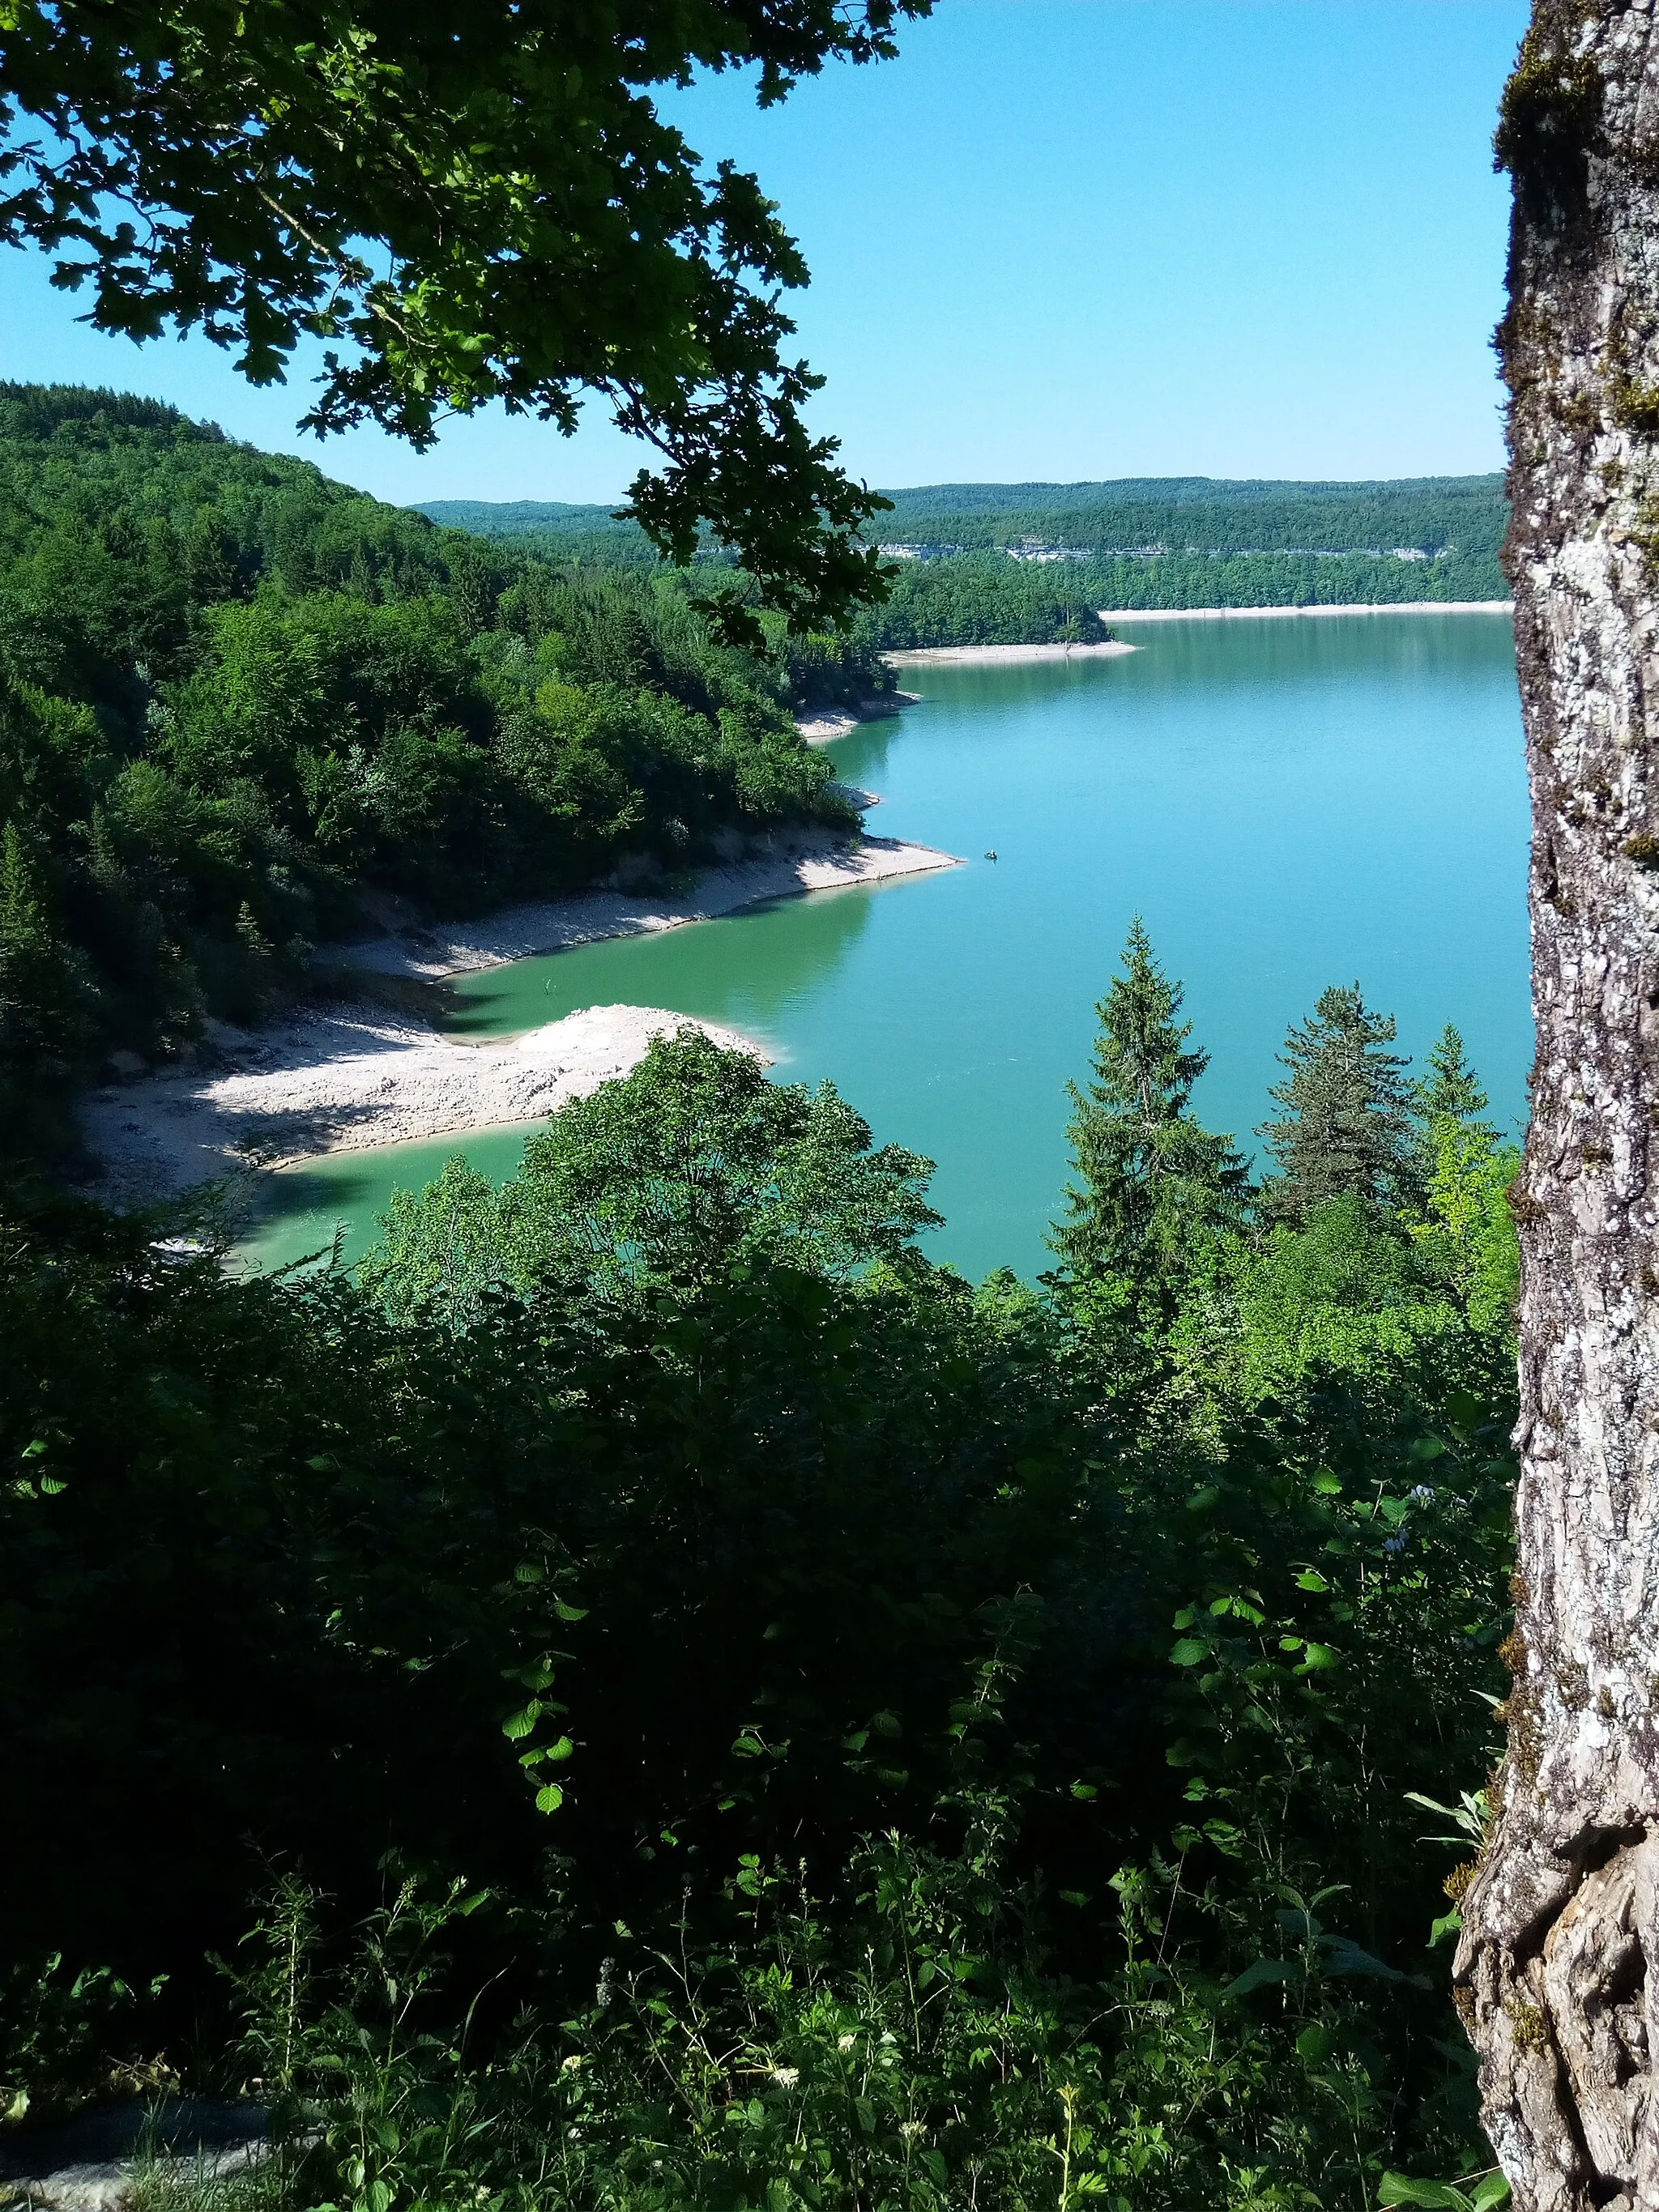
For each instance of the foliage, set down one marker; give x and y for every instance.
(837, 1733)
(906, 2033)
(990, 564)
(1149, 515)
(1004, 564)
(981, 599)
(45, 1013)
(1469, 1234)
(274, 1561)
(56, 2029)
(474, 206)
(990, 599)
(690, 1168)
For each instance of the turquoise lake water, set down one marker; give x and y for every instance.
(1287, 803)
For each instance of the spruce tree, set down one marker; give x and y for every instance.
(1152, 1185)
(1451, 1085)
(1450, 1101)
(1347, 1129)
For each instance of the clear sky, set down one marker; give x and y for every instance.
(1057, 239)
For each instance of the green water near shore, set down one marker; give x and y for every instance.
(1289, 803)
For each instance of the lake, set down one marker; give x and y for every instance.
(1288, 803)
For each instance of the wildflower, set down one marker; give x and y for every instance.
(786, 2077)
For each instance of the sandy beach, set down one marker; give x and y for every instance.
(1266, 614)
(458, 948)
(345, 1077)
(913, 656)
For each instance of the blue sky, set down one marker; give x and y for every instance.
(1057, 239)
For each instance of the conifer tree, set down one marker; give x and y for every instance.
(1451, 1085)
(1347, 1124)
(1152, 1185)
(1450, 1104)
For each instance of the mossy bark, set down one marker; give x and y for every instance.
(1562, 1917)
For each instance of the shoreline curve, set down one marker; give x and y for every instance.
(1260, 614)
(353, 1075)
(910, 656)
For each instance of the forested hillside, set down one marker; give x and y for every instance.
(236, 697)
(981, 564)
(591, 533)
(1204, 514)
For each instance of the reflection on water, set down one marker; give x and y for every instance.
(743, 969)
(1287, 803)
(301, 1208)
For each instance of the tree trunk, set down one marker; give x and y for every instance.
(1563, 1917)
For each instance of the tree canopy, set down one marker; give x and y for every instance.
(464, 203)
(891, 1720)
(691, 1166)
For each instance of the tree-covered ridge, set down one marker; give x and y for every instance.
(1175, 515)
(1202, 514)
(236, 698)
(987, 599)
(992, 564)
(464, 207)
(530, 517)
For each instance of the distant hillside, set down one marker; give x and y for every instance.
(985, 563)
(522, 518)
(1133, 515)
(1147, 517)
(564, 531)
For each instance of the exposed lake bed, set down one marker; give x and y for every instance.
(1288, 805)
(356, 1074)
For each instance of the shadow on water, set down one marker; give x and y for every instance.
(301, 1207)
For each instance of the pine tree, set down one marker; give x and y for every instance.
(1153, 1186)
(1347, 1129)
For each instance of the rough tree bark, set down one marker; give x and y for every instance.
(1562, 1919)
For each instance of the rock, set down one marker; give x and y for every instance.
(91, 2163)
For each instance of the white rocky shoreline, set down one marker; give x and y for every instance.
(826, 724)
(916, 656)
(350, 1075)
